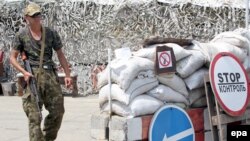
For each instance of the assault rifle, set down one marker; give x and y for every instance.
(32, 83)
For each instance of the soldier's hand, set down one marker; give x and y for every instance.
(68, 82)
(27, 76)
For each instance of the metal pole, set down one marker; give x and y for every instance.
(109, 81)
(247, 12)
(100, 14)
(247, 18)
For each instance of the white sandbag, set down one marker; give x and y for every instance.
(243, 32)
(124, 72)
(179, 52)
(214, 48)
(117, 65)
(116, 94)
(232, 38)
(190, 64)
(138, 86)
(179, 104)
(246, 33)
(141, 105)
(199, 103)
(166, 94)
(144, 105)
(146, 74)
(102, 78)
(174, 82)
(149, 52)
(132, 68)
(117, 108)
(246, 63)
(196, 94)
(195, 46)
(196, 80)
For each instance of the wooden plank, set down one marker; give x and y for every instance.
(219, 126)
(210, 106)
(228, 119)
(219, 120)
(206, 78)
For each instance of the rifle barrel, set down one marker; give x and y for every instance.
(32, 84)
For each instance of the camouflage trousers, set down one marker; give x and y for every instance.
(53, 101)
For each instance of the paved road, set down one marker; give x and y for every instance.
(75, 126)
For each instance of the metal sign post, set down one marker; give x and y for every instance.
(247, 13)
(109, 82)
(109, 96)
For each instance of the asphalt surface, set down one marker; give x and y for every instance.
(75, 125)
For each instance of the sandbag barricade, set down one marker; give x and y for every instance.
(135, 86)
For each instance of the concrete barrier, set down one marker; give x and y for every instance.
(8, 88)
(123, 129)
(99, 126)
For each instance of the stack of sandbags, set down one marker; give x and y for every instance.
(188, 79)
(195, 85)
(141, 105)
(150, 51)
(130, 79)
(136, 90)
(134, 77)
(169, 96)
(192, 63)
(123, 72)
(235, 42)
(172, 89)
(197, 98)
(245, 33)
(171, 80)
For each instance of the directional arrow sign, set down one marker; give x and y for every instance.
(171, 123)
(179, 136)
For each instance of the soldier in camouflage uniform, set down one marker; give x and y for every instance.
(29, 40)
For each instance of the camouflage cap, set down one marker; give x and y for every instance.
(32, 9)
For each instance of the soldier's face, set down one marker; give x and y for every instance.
(34, 20)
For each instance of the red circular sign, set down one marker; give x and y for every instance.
(230, 83)
(164, 59)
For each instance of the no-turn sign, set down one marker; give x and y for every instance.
(229, 83)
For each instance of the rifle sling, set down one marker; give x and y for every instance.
(41, 56)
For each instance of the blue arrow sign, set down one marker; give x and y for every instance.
(171, 123)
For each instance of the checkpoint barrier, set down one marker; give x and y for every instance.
(137, 128)
(227, 94)
(218, 119)
(121, 128)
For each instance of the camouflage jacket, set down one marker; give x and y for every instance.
(25, 42)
